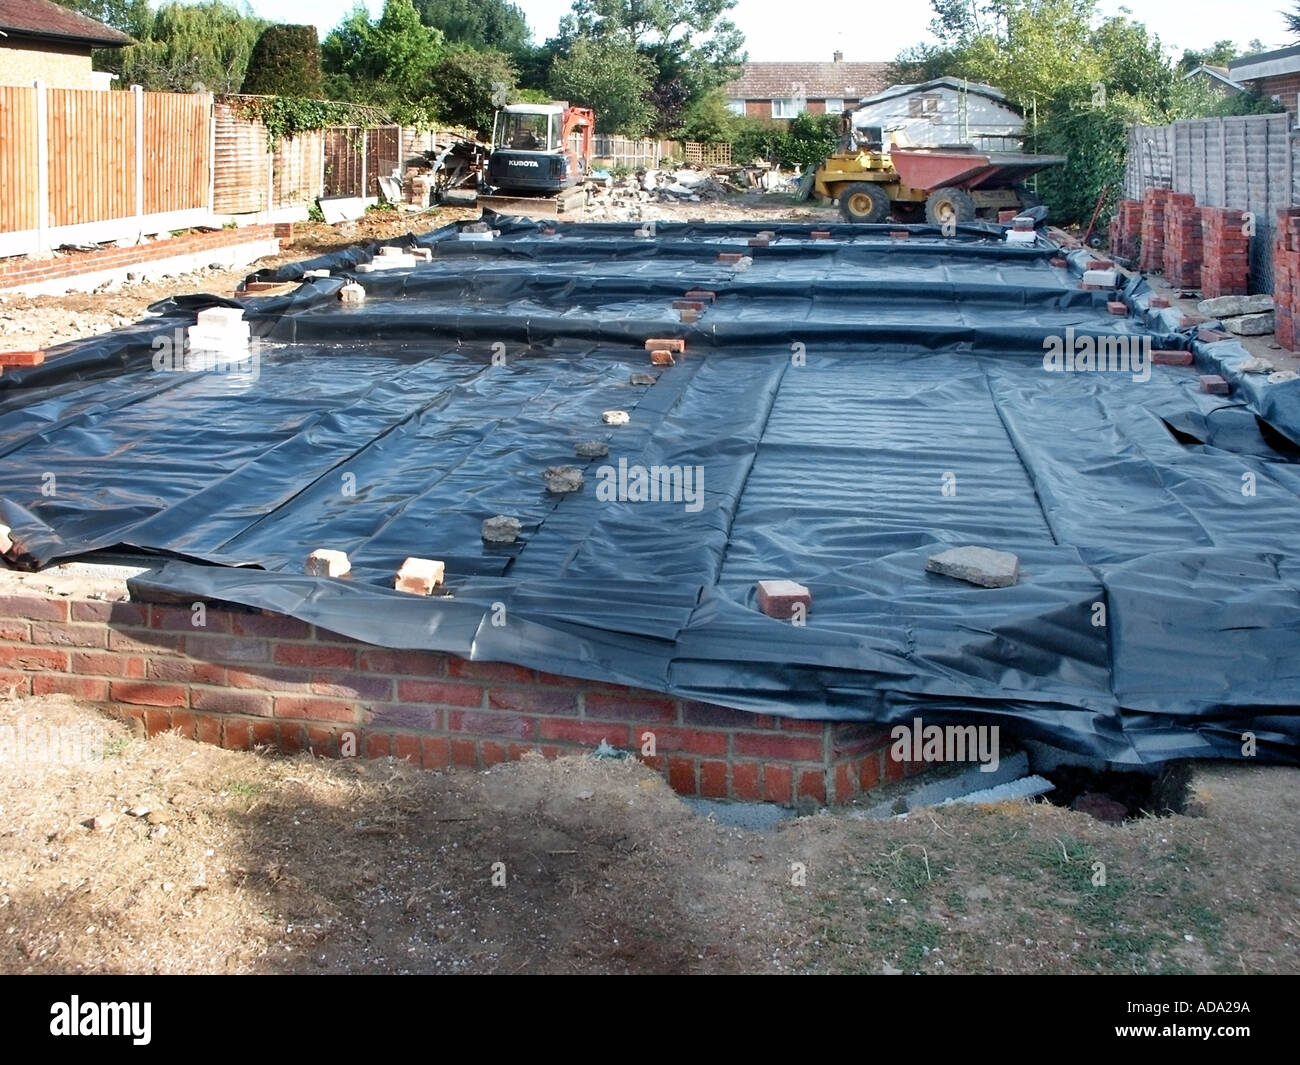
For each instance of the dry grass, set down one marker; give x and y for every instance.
(216, 861)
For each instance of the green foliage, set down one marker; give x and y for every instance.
(188, 47)
(1219, 54)
(467, 87)
(287, 116)
(495, 25)
(1292, 19)
(130, 16)
(611, 76)
(315, 214)
(285, 62)
(386, 61)
(708, 120)
(803, 142)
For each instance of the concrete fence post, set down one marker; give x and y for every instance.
(137, 91)
(42, 166)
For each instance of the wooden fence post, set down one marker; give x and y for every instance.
(42, 166)
(138, 92)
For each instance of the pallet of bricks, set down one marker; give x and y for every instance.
(1184, 243)
(1286, 276)
(1125, 229)
(1226, 268)
(1153, 229)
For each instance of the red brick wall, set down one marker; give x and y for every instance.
(246, 678)
(29, 272)
(1183, 246)
(1227, 253)
(1284, 86)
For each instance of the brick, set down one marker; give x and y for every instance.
(649, 708)
(1059, 262)
(666, 344)
(701, 294)
(378, 745)
(730, 257)
(145, 693)
(112, 613)
(711, 715)
(869, 771)
(685, 741)
(783, 599)
(68, 634)
(681, 776)
(812, 785)
(184, 723)
(236, 736)
(484, 723)
(490, 753)
(662, 358)
(182, 620)
(846, 784)
(272, 626)
(1169, 357)
(228, 701)
(417, 716)
(34, 658)
(1158, 303)
(16, 631)
(315, 708)
(406, 663)
(534, 700)
(585, 732)
(264, 734)
(313, 655)
(713, 780)
(821, 234)
(21, 358)
(464, 753)
(778, 783)
(273, 680)
(352, 686)
(33, 608)
(745, 782)
(89, 688)
(1212, 336)
(326, 562)
(226, 648)
(504, 672)
(419, 576)
(420, 691)
(1214, 384)
(785, 747)
(207, 729)
(184, 671)
(435, 753)
(1117, 307)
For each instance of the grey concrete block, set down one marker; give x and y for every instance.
(978, 565)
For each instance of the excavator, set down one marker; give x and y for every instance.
(540, 159)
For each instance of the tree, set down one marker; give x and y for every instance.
(478, 24)
(285, 62)
(611, 76)
(1292, 20)
(132, 17)
(1219, 54)
(468, 86)
(188, 47)
(386, 61)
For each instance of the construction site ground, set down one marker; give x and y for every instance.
(169, 856)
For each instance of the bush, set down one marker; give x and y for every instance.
(804, 142)
(466, 87)
(285, 62)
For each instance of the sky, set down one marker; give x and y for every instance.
(814, 29)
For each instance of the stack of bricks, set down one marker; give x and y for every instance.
(1286, 277)
(1227, 253)
(1184, 247)
(1125, 229)
(1153, 228)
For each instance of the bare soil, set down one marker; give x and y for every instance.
(205, 860)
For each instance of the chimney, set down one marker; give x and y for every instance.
(838, 57)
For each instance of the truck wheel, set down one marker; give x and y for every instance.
(864, 202)
(949, 205)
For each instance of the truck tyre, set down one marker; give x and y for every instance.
(864, 201)
(949, 205)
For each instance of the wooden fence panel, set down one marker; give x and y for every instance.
(177, 151)
(343, 161)
(91, 138)
(19, 208)
(383, 155)
(297, 169)
(243, 165)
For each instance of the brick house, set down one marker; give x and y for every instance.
(41, 41)
(1274, 75)
(782, 90)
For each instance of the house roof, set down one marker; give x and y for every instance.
(47, 20)
(1219, 74)
(1265, 64)
(818, 81)
(938, 83)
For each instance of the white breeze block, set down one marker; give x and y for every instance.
(1104, 278)
(462, 235)
(222, 318)
(1021, 236)
(324, 562)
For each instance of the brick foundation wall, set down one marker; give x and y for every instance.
(1126, 229)
(1286, 277)
(243, 679)
(1226, 268)
(1183, 247)
(1153, 228)
(32, 271)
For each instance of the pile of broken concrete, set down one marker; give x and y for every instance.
(1246, 316)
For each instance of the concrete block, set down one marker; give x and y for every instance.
(6, 540)
(315, 273)
(1251, 325)
(419, 576)
(327, 563)
(780, 598)
(1100, 278)
(501, 529)
(1021, 236)
(563, 479)
(387, 251)
(1254, 364)
(1232, 306)
(644, 378)
(222, 318)
(743, 263)
(615, 417)
(1214, 384)
(591, 449)
(352, 293)
(689, 317)
(978, 565)
(424, 255)
(662, 358)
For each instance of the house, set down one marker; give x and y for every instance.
(782, 90)
(42, 41)
(1273, 75)
(945, 111)
(1216, 79)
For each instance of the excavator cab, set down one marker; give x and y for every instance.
(540, 149)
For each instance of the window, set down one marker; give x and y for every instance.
(834, 105)
(922, 106)
(736, 106)
(787, 107)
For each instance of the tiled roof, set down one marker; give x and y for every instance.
(770, 81)
(44, 18)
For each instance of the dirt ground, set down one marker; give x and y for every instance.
(168, 856)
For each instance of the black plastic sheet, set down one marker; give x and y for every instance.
(854, 405)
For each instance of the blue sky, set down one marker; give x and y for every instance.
(813, 29)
